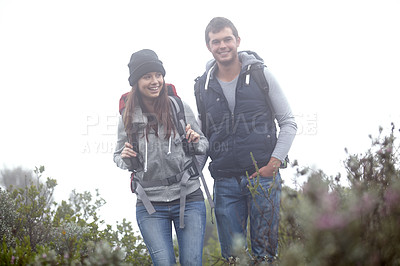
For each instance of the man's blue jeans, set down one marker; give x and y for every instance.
(156, 230)
(234, 203)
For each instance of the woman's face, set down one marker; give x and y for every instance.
(150, 85)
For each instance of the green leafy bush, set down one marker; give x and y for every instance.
(331, 221)
(8, 216)
(322, 222)
(326, 223)
(35, 230)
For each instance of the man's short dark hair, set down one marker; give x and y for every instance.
(217, 24)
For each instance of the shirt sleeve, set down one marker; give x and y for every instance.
(284, 117)
(121, 139)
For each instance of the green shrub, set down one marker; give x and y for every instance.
(326, 223)
(35, 230)
(8, 216)
(323, 222)
(330, 221)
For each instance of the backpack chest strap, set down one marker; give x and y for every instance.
(190, 170)
(183, 178)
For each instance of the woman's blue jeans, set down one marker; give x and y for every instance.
(234, 204)
(156, 230)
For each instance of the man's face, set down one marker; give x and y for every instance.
(223, 46)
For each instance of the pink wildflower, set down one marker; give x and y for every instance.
(330, 221)
(367, 203)
(363, 206)
(392, 198)
(330, 201)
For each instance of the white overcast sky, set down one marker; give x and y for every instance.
(63, 67)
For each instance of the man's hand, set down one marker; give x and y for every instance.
(271, 169)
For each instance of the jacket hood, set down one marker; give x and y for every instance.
(246, 57)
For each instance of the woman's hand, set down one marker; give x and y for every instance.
(191, 135)
(128, 151)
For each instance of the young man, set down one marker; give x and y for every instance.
(238, 119)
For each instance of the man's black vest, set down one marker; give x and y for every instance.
(232, 136)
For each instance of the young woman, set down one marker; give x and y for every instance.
(165, 178)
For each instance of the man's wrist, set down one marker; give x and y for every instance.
(275, 162)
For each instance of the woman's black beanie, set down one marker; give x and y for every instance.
(142, 62)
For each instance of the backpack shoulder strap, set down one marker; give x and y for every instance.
(132, 137)
(257, 70)
(179, 117)
(200, 105)
(181, 124)
(258, 74)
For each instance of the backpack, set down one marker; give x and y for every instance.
(257, 71)
(179, 120)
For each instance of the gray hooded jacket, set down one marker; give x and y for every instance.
(160, 157)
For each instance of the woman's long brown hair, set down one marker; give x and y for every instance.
(162, 112)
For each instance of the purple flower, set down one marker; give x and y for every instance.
(330, 221)
(364, 205)
(367, 203)
(330, 201)
(392, 198)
